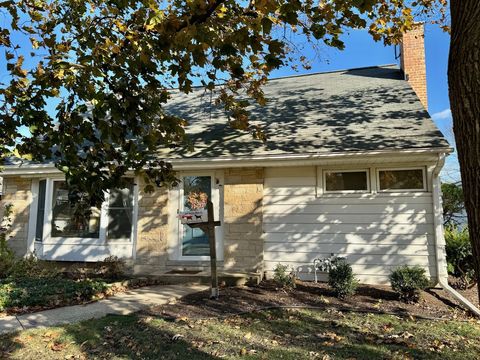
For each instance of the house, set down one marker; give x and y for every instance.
(351, 167)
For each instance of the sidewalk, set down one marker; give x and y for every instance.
(122, 304)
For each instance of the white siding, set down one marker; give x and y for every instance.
(376, 232)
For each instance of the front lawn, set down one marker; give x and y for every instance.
(276, 334)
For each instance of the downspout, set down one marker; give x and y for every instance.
(441, 265)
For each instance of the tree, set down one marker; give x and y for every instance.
(453, 204)
(109, 68)
(464, 92)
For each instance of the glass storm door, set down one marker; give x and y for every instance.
(196, 191)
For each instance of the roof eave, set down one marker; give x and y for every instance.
(255, 160)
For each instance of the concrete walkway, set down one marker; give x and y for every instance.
(122, 304)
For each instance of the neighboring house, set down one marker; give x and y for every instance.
(351, 167)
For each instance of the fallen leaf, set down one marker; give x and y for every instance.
(55, 346)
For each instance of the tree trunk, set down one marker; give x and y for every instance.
(464, 92)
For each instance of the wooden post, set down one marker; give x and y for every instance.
(213, 250)
(208, 228)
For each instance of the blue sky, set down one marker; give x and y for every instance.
(361, 51)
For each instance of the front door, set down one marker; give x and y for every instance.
(195, 191)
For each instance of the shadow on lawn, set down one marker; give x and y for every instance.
(303, 335)
(273, 334)
(110, 337)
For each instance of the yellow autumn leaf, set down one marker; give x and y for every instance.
(222, 11)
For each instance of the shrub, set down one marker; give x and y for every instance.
(408, 281)
(284, 276)
(111, 267)
(7, 256)
(33, 268)
(341, 279)
(459, 255)
(48, 292)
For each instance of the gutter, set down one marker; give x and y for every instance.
(441, 265)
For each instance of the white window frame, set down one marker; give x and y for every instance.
(324, 181)
(424, 179)
(48, 239)
(175, 198)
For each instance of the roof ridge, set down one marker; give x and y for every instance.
(333, 71)
(309, 74)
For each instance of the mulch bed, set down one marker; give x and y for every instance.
(434, 303)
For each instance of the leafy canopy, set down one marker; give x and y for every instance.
(453, 204)
(109, 67)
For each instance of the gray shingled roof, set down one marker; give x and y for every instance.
(354, 110)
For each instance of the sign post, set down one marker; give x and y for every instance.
(208, 227)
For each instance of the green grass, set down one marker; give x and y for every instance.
(296, 334)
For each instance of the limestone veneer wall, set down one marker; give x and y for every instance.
(17, 191)
(152, 228)
(243, 201)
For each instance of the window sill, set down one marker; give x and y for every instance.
(84, 241)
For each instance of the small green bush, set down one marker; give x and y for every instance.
(284, 276)
(111, 267)
(459, 256)
(7, 256)
(342, 280)
(407, 281)
(47, 292)
(31, 267)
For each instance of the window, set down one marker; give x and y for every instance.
(346, 181)
(113, 221)
(401, 179)
(42, 184)
(120, 213)
(78, 220)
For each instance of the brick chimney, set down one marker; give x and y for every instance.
(412, 61)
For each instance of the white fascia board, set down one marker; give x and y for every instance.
(414, 155)
(419, 155)
(29, 169)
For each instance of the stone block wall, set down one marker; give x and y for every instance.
(17, 191)
(243, 243)
(152, 228)
(243, 201)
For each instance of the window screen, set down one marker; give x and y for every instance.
(401, 179)
(346, 181)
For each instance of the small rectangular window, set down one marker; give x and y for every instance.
(120, 213)
(401, 179)
(42, 184)
(346, 181)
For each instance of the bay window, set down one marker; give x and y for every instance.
(59, 220)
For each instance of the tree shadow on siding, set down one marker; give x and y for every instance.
(374, 242)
